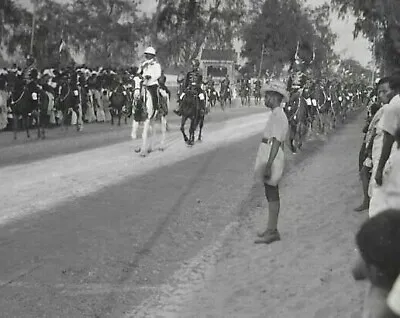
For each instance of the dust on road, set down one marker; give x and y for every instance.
(305, 275)
(110, 252)
(115, 229)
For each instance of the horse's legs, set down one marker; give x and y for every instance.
(79, 120)
(44, 123)
(163, 132)
(38, 124)
(300, 134)
(292, 134)
(153, 132)
(192, 129)
(183, 121)
(201, 123)
(144, 149)
(15, 125)
(65, 119)
(25, 122)
(135, 127)
(43, 133)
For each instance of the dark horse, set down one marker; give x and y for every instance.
(318, 107)
(119, 101)
(191, 109)
(244, 93)
(296, 112)
(25, 104)
(212, 96)
(68, 101)
(225, 95)
(257, 94)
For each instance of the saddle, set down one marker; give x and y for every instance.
(118, 97)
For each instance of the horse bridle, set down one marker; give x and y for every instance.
(65, 97)
(18, 99)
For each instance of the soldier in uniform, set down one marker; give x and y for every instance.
(210, 82)
(209, 85)
(193, 82)
(226, 81)
(151, 72)
(257, 87)
(30, 66)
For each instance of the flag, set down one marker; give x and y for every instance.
(62, 46)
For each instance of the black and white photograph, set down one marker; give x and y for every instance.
(199, 158)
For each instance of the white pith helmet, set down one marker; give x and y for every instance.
(150, 50)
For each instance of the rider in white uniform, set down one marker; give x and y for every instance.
(151, 72)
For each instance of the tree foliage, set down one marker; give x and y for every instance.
(270, 29)
(379, 21)
(181, 28)
(105, 32)
(14, 25)
(108, 31)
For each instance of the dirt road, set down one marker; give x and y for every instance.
(102, 233)
(307, 274)
(94, 233)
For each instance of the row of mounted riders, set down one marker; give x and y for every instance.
(224, 96)
(71, 94)
(320, 106)
(35, 101)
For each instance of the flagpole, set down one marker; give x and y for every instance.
(261, 60)
(33, 26)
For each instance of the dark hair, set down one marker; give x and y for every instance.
(384, 80)
(378, 241)
(394, 82)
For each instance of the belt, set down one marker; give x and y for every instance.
(268, 141)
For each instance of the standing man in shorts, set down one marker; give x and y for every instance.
(270, 156)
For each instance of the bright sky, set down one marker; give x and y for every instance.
(357, 49)
(345, 46)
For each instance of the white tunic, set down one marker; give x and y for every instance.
(153, 69)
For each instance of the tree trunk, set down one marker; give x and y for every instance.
(207, 29)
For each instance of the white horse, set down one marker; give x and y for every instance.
(153, 119)
(3, 109)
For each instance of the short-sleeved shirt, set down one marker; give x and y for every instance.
(372, 125)
(390, 121)
(277, 125)
(393, 299)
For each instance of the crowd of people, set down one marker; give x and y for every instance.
(378, 238)
(95, 88)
